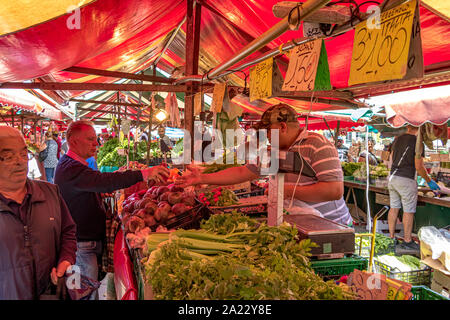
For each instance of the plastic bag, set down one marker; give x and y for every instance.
(433, 237)
(300, 207)
(86, 286)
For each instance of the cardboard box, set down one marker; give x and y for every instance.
(441, 283)
(444, 157)
(442, 263)
(435, 157)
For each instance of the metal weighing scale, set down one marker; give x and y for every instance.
(334, 240)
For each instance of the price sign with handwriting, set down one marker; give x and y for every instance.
(381, 51)
(308, 68)
(218, 96)
(261, 80)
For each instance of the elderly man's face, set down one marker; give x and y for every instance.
(13, 162)
(85, 142)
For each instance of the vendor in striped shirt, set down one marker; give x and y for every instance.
(324, 192)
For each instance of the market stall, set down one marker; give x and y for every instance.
(181, 61)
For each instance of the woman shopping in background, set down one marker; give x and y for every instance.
(50, 160)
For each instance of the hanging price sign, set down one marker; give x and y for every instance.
(388, 49)
(261, 80)
(308, 68)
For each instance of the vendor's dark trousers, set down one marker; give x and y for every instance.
(88, 255)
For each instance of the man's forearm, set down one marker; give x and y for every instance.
(420, 168)
(229, 176)
(423, 173)
(319, 192)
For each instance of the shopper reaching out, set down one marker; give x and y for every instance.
(81, 187)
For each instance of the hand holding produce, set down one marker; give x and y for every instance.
(158, 173)
(433, 185)
(189, 179)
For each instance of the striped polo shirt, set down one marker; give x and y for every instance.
(323, 158)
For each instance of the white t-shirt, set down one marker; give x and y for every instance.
(33, 168)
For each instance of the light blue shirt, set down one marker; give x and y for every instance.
(92, 163)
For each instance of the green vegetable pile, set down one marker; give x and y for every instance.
(380, 171)
(383, 245)
(246, 260)
(350, 167)
(410, 261)
(108, 155)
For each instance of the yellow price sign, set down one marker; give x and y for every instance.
(380, 50)
(261, 80)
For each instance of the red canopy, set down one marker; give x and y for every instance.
(26, 102)
(128, 35)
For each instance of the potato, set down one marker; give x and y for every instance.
(162, 212)
(141, 213)
(128, 207)
(179, 208)
(164, 196)
(420, 194)
(163, 203)
(157, 214)
(134, 224)
(149, 220)
(150, 207)
(175, 197)
(174, 188)
(161, 190)
(188, 200)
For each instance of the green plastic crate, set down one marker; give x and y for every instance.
(335, 268)
(415, 277)
(108, 169)
(425, 293)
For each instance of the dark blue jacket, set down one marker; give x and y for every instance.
(81, 188)
(29, 250)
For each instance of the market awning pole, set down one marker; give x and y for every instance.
(306, 9)
(193, 19)
(169, 42)
(369, 218)
(336, 133)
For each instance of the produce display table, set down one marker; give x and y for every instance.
(430, 211)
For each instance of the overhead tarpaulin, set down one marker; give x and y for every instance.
(22, 100)
(124, 35)
(417, 107)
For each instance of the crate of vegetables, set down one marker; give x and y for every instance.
(335, 268)
(405, 268)
(424, 293)
(225, 201)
